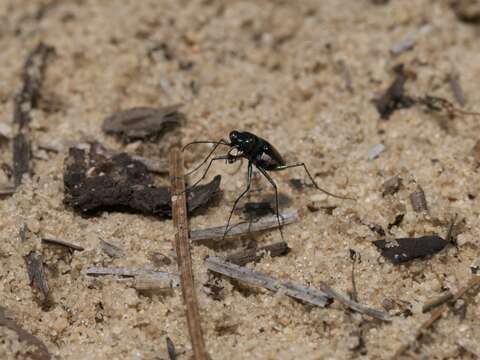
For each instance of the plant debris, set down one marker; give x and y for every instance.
(376, 314)
(394, 97)
(244, 228)
(111, 250)
(406, 249)
(184, 256)
(160, 276)
(143, 122)
(418, 200)
(172, 354)
(36, 273)
(447, 296)
(62, 243)
(36, 348)
(256, 254)
(27, 100)
(391, 186)
(255, 278)
(94, 181)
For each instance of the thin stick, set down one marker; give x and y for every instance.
(132, 272)
(25, 101)
(62, 243)
(244, 228)
(436, 315)
(255, 278)
(6, 189)
(184, 260)
(377, 314)
(437, 302)
(256, 254)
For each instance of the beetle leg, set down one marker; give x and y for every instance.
(271, 181)
(221, 157)
(287, 166)
(249, 183)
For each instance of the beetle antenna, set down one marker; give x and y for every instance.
(217, 144)
(221, 142)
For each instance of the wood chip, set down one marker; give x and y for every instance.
(376, 314)
(36, 273)
(256, 254)
(36, 348)
(62, 243)
(25, 101)
(255, 278)
(418, 200)
(184, 259)
(160, 276)
(244, 228)
(111, 250)
(391, 186)
(21, 158)
(172, 354)
(152, 284)
(142, 122)
(447, 296)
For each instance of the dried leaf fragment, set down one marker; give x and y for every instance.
(143, 122)
(36, 273)
(406, 249)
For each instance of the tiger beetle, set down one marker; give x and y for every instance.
(259, 153)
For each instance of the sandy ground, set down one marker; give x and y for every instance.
(273, 68)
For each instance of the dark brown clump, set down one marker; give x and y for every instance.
(94, 181)
(394, 97)
(143, 122)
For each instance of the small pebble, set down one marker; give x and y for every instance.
(375, 151)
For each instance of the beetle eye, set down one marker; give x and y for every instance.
(233, 135)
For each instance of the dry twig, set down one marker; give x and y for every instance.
(376, 314)
(68, 245)
(184, 260)
(255, 278)
(244, 228)
(25, 101)
(246, 256)
(159, 276)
